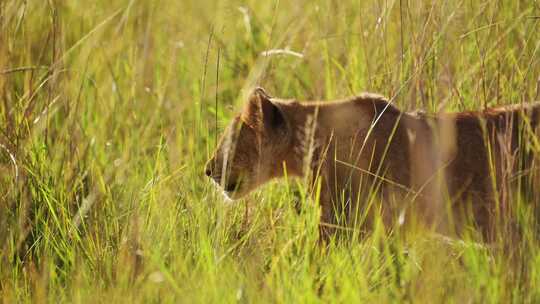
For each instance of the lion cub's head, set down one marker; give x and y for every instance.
(253, 147)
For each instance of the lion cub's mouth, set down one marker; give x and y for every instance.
(229, 188)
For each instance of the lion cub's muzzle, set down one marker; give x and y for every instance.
(229, 184)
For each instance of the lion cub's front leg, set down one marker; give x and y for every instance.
(327, 222)
(327, 203)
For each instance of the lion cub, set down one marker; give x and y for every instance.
(418, 165)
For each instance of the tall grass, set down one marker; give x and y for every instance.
(109, 109)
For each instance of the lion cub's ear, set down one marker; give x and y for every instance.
(264, 113)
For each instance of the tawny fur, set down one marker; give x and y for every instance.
(418, 164)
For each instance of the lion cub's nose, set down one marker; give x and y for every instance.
(208, 169)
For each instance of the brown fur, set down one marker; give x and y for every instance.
(364, 145)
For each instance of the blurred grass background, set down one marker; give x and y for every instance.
(109, 109)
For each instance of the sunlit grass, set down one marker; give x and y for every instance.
(109, 109)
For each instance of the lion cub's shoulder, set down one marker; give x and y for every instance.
(378, 103)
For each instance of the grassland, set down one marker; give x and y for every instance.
(109, 109)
